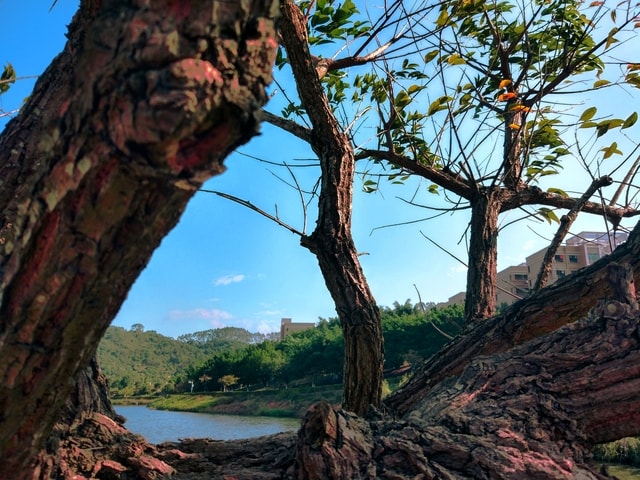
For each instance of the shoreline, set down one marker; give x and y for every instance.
(291, 402)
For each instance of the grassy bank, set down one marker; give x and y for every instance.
(291, 402)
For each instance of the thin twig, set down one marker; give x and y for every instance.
(251, 206)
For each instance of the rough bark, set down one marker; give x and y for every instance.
(480, 298)
(140, 108)
(542, 313)
(532, 412)
(331, 241)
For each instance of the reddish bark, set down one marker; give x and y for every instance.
(532, 412)
(544, 312)
(140, 108)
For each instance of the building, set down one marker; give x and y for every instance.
(287, 327)
(513, 283)
(579, 251)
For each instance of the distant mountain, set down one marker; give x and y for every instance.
(139, 362)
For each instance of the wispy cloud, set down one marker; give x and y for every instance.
(229, 279)
(217, 318)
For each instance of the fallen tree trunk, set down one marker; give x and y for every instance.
(534, 411)
(543, 313)
(142, 106)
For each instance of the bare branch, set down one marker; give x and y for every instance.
(438, 329)
(565, 224)
(251, 206)
(303, 133)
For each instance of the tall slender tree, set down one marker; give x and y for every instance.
(481, 99)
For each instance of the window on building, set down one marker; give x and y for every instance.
(520, 276)
(593, 256)
(561, 273)
(573, 258)
(559, 258)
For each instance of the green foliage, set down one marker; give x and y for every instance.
(138, 362)
(315, 356)
(624, 451)
(466, 73)
(7, 78)
(332, 21)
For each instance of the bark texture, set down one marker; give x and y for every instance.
(331, 241)
(480, 298)
(541, 314)
(140, 108)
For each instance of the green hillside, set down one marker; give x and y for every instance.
(139, 362)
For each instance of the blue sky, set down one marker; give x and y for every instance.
(225, 265)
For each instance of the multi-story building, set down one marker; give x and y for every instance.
(287, 327)
(578, 251)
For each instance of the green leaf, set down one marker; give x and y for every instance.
(438, 105)
(611, 150)
(588, 114)
(433, 188)
(600, 83)
(431, 55)
(443, 18)
(558, 191)
(7, 78)
(455, 59)
(630, 121)
(633, 79)
(369, 186)
(549, 215)
(402, 100)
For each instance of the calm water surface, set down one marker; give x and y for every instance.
(160, 426)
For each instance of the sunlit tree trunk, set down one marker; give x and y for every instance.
(541, 314)
(139, 109)
(332, 242)
(480, 298)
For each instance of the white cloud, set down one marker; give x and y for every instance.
(229, 279)
(217, 318)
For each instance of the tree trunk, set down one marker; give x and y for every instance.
(480, 298)
(332, 242)
(541, 314)
(140, 108)
(533, 412)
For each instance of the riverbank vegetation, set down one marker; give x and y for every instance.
(290, 402)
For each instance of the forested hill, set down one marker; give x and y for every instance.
(138, 362)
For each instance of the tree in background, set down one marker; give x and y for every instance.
(483, 100)
(228, 381)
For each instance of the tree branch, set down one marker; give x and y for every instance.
(444, 179)
(297, 130)
(565, 224)
(251, 206)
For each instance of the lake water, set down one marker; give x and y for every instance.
(159, 426)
